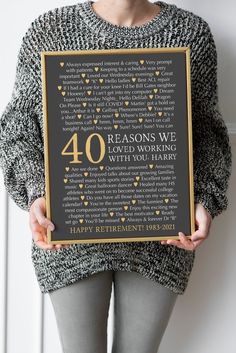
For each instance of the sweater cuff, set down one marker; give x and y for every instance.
(35, 189)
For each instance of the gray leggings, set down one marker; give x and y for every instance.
(142, 309)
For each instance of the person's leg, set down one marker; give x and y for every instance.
(142, 309)
(81, 311)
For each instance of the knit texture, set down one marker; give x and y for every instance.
(78, 27)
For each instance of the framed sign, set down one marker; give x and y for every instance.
(118, 144)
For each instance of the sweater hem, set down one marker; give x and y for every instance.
(133, 263)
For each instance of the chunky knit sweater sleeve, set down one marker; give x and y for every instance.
(21, 144)
(212, 153)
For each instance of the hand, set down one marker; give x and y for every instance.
(39, 223)
(203, 220)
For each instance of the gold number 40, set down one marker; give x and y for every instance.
(75, 153)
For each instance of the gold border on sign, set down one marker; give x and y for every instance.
(186, 50)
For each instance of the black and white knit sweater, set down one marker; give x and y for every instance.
(78, 27)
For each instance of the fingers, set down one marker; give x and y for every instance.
(183, 243)
(42, 220)
(39, 225)
(39, 240)
(59, 246)
(203, 222)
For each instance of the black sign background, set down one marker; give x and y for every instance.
(150, 148)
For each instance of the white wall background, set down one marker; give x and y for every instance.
(204, 318)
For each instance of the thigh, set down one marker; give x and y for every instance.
(142, 309)
(81, 311)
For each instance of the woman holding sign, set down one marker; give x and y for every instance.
(147, 276)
